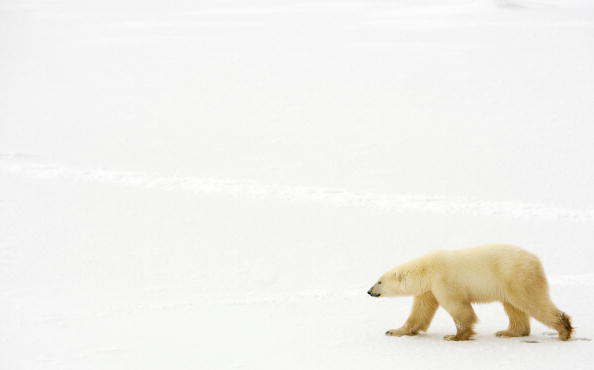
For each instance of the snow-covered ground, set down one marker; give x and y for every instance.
(216, 184)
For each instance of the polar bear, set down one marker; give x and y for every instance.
(455, 279)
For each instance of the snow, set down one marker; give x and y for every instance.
(216, 184)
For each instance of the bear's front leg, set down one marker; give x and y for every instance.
(400, 332)
(464, 317)
(423, 310)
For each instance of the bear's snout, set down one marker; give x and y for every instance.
(371, 293)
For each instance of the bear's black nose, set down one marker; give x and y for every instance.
(369, 292)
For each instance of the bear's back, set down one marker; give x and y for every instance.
(484, 273)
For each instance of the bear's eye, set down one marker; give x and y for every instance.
(379, 283)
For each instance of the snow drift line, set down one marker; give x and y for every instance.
(294, 297)
(305, 194)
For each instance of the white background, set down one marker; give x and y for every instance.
(216, 184)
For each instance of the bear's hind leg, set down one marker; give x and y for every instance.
(545, 311)
(519, 322)
(422, 313)
(464, 318)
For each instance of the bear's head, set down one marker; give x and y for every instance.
(398, 282)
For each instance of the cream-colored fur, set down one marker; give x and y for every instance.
(455, 279)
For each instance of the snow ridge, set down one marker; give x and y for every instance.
(303, 194)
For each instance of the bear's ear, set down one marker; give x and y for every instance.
(400, 276)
